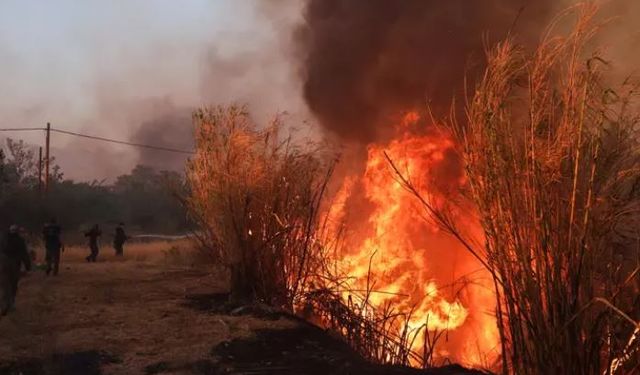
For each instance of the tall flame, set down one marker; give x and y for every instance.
(403, 259)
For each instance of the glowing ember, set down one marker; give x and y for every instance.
(408, 262)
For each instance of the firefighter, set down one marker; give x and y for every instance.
(13, 255)
(53, 245)
(119, 239)
(94, 233)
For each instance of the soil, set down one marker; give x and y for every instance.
(153, 314)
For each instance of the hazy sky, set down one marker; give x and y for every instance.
(124, 68)
(104, 67)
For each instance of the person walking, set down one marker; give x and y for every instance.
(119, 239)
(13, 254)
(53, 245)
(94, 234)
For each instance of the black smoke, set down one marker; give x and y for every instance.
(167, 126)
(366, 61)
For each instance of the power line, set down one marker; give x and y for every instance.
(20, 129)
(102, 139)
(153, 147)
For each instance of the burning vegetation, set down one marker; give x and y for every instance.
(551, 153)
(257, 198)
(502, 237)
(395, 258)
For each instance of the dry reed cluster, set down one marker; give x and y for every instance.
(553, 161)
(256, 197)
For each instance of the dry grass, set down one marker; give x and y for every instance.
(130, 307)
(171, 252)
(380, 334)
(553, 160)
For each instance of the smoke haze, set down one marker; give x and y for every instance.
(134, 70)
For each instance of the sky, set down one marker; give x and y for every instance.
(106, 67)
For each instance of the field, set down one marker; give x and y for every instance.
(130, 309)
(157, 310)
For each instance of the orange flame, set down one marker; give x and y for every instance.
(405, 260)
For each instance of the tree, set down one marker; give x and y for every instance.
(23, 164)
(145, 199)
(150, 199)
(3, 177)
(22, 167)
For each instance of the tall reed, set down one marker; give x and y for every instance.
(256, 196)
(553, 164)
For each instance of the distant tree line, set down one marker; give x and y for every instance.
(146, 200)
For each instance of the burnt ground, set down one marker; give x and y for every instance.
(304, 350)
(150, 314)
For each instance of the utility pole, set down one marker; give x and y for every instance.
(40, 170)
(46, 173)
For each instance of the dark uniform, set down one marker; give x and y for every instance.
(119, 239)
(13, 255)
(93, 234)
(53, 245)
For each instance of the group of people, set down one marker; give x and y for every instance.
(14, 256)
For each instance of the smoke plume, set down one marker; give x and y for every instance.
(166, 125)
(364, 61)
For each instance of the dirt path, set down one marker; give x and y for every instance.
(146, 316)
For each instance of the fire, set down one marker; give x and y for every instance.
(403, 259)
